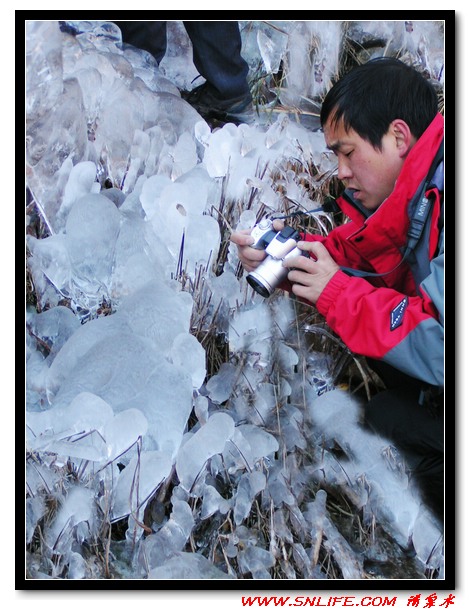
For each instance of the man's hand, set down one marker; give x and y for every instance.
(309, 276)
(250, 257)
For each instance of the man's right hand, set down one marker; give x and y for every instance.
(250, 257)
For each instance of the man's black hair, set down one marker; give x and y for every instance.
(372, 95)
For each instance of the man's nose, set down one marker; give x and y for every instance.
(344, 171)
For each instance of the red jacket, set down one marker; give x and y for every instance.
(397, 317)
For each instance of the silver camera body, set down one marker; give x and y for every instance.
(278, 245)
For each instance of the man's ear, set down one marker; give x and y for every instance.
(403, 136)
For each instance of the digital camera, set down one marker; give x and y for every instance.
(278, 245)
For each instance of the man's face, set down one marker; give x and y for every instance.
(370, 173)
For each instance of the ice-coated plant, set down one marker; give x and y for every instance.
(178, 425)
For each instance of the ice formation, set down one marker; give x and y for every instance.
(137, 193)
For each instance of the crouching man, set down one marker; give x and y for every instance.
(379, 278)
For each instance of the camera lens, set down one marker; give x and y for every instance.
(258, 286)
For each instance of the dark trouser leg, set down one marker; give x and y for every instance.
(147, 35)
(216, 55)
(418, 433)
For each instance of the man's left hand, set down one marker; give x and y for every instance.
(309, 276)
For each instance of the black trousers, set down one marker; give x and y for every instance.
(216, 50)
(416, 429)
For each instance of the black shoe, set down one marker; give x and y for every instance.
(209, 105)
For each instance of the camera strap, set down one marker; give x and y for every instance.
(298, 213)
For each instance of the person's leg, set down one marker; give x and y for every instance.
(217, 56)
(418, 432)
(147, 35)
